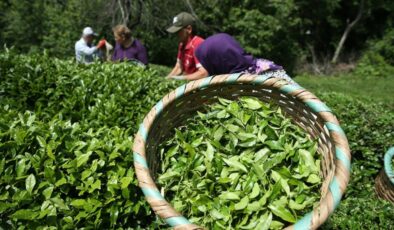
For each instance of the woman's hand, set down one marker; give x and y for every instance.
(179, 77)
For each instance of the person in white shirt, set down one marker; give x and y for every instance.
(85, 52)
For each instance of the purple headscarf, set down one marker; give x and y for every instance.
(222, 54)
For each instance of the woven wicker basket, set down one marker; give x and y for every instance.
(384, 183)
(301, 106)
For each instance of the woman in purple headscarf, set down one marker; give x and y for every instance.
(222, 54)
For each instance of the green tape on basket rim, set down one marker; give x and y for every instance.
(259, 79)
(340, 154)
(152, 193)
(159, 107)
(335, 191)
(143, 132)
(206, 82)
(388, 168)
(304, 223)
(180, 91)
(335, 128)
(317, 106)
(289, 88)
(140, 160)
(233, 77)
(176, 221)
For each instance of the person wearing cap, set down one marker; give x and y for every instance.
(85, 52)
(128, 48)
(222, 54)
(187, 66)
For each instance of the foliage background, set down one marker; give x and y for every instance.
(290, 32)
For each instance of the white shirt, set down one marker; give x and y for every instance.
(85, 53)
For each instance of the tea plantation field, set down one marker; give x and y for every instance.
(66, 132)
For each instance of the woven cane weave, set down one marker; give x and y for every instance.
(304, 108)
(384, 183)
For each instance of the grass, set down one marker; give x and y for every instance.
(372, 89)
(359, 87)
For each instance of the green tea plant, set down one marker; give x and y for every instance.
(243, 165)
(65, 138)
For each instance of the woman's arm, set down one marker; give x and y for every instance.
(200, 73)
(176, 70)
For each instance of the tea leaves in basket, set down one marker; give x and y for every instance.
(241, 164)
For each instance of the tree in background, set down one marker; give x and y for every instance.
(65, 21)
(31, 26)
(265, 29)
(23, 23)
(287, 31)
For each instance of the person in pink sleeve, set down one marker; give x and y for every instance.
(187, 66)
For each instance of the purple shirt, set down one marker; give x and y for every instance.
(136, 51)
(222, 54)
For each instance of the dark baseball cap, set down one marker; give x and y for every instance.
(180, 21)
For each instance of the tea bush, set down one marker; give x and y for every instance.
(66, 133)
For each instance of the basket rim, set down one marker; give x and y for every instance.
(337, 184)
(388, 168)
